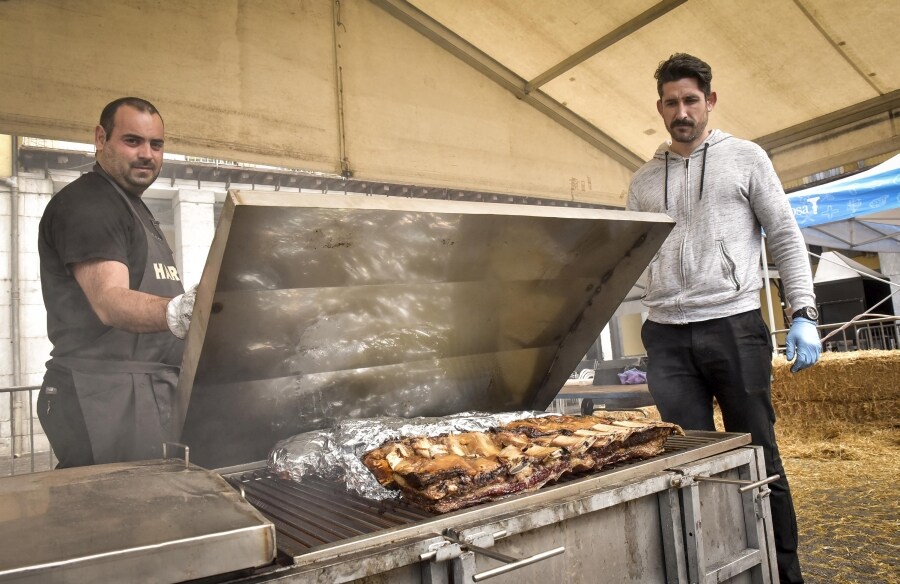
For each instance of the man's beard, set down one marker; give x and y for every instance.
(686, 139)
(142, 181)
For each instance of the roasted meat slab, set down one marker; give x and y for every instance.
(452, 471)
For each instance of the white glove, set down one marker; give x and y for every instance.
(179, 311)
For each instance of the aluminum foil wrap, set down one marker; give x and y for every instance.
(334, 453)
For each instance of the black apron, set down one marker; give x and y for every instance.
(125, 382)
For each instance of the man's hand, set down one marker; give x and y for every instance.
(179, 311)
(803, 340)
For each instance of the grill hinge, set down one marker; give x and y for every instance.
(442, 551)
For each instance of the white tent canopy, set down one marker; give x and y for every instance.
(834, 267)
(549, 99)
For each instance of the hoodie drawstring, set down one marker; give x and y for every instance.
(702, 175)
(703, 169)
(666, 183)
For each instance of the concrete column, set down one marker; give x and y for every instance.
(615, 338)
(34, 194)
(194, 230)
(6, 341)
(890, 269)
(20, 297)
(33, 345)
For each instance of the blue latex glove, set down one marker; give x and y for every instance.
(803, 340)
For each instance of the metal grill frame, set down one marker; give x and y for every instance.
(679, 450)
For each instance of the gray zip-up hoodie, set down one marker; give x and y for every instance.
(709, 266)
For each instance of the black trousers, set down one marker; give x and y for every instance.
(729, 359)
(60, 415)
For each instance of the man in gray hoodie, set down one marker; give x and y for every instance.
(704, 335)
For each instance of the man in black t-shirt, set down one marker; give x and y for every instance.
(116, 308)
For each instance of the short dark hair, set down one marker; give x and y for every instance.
(680, 66)
(108, 115)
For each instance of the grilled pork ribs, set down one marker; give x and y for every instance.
(452, 471)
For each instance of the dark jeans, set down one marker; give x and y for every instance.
(729, 359)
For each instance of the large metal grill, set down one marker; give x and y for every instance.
(316, 512)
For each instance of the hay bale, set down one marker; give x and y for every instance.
(854, 387)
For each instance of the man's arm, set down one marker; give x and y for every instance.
(105, 283)
(789, 252)
(631, 200)
(782, 234)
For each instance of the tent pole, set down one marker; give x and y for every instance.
(765, 262)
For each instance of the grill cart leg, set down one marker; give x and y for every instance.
(673, 537)
(758, 557)
(435, 573)
(693, 536)
(464, 568)
(759, 514)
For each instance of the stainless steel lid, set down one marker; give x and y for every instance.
(316, 308)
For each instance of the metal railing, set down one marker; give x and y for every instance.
(881, 333)
(873, 331)
(22, 458)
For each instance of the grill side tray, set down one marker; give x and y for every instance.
(99, 523)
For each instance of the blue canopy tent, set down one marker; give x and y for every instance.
(860, 212)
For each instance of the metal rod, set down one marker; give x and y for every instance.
(491, 554)
(757, 484)
(721, 480)
(748, 486)
(768, 283)
(606, 41)
(31, 426)
(520, 564)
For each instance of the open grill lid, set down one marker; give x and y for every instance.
(317, 308)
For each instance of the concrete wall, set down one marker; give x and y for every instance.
(194, 228)
(29, 347)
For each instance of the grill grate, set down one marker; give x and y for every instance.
(317, 512)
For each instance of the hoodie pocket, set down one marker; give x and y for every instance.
(663, 277)
(650, 269)
(728, 266)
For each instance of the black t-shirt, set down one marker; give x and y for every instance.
(86, 220)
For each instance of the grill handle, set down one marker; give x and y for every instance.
(185, 447)
(748, 486)
(514, 565)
